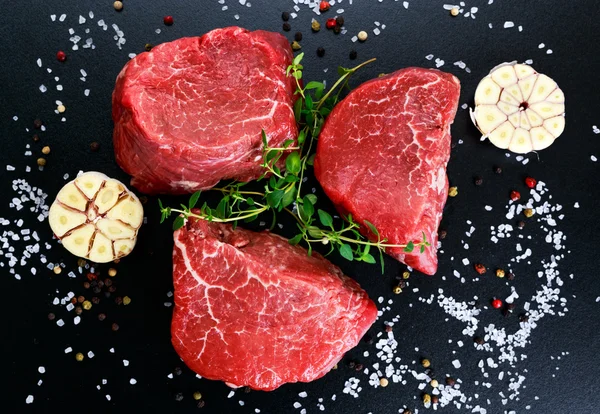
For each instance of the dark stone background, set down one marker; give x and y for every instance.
(30, 340)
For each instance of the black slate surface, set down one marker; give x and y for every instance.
(29, 340)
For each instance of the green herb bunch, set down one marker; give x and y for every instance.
(282, 188)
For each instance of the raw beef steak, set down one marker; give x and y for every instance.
(382, 157)
(253, 310)
(190, 112)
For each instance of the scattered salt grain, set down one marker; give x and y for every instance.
(29, 399)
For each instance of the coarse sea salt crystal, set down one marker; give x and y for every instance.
(29, 399)
(508, 25)
(456, 363)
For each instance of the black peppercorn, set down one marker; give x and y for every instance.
(107, 282)
(351, 364)
(298, 36)
(337, 29)
(115, 327)
(287, 27)
(479, 340)
(407, 411)
(442, 234)
(478, 180)
(101, 316)
(477, 304)
(285, 16)
(51, 316)
(200, 404)
(247, 390)
(94, 146)
(78, 310)
(358, 367)
(497, 169)
(95, 300)
(119, 300)
(520, 224)
(510, 307)
(353, 55)
(368, 339)
(100, 284)
(112, 289)
(388, 328)
(320, 52)
(178, 371)
(435, 399)
(339, 21)
(510, 276)
(37, 124)
(179, 397)
(450, 381)
(86, 285)
(107, 295)
(36, 138)
(505, 312)
(524, 318)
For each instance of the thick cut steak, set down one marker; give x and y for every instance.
(382, 157)
(253, 310)
(190, 112)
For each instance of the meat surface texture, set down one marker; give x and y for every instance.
(190, 112)
(253, 310)
(382, 157)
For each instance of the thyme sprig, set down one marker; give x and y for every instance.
(282, 183)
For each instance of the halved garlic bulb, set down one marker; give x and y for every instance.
(518, 109)
(96, 217)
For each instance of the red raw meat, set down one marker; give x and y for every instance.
(190, 112)
(253, 310)
(382, 157)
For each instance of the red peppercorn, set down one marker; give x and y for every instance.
(331, 23)
(324, 6)
(61, 56)
(530, 182)
(515, 195)
(168, 20)
(479, 268)
(496, 304)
